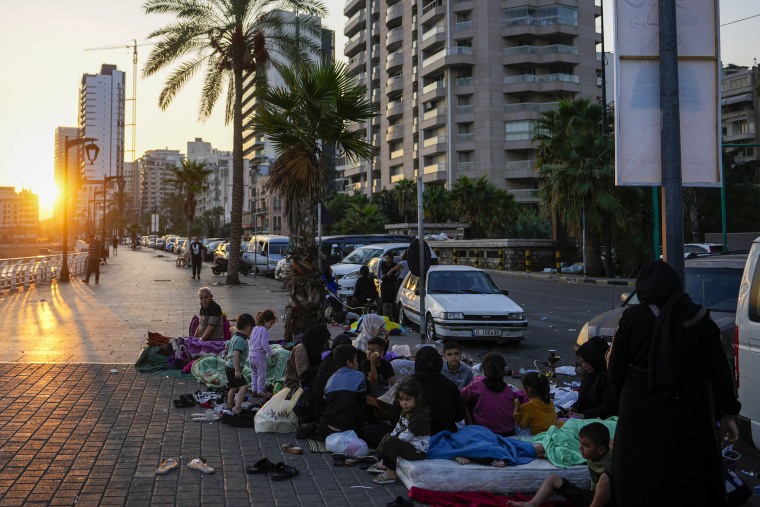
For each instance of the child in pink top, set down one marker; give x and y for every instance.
(493, 399)
(259, 349)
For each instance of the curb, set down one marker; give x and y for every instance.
(626, 282)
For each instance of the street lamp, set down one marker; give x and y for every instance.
(120, 181)
(92, 150)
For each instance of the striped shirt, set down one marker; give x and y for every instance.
(94, 250)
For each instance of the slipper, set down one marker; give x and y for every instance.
(183, 404)
(200, 465)
(352, 462)
(207, 416)
(167, 466)
(383, 479)
(339, 459)
(373, 469)
(283, 472)
(262, 466)
(293, 449)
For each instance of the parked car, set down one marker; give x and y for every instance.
(711, 280)
(264, 251)
(221, 259)
(334, 248)
(179, 246)
(701, 248)
(169, 245)
(747, 348)
(210, 248)
(461, 303)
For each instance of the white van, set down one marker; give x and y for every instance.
(747, 348)
(265, 250)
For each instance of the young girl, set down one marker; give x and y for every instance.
(237, 354)
(491, 400)
(538, 413)
(411, 436)
(259, 345)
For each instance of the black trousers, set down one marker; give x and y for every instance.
(197, 262)
(93, 266)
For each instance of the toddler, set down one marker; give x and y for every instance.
(237, 355)
(539, 412)
(491, 399)
(259, 345)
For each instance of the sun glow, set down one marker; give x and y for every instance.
(49, 193)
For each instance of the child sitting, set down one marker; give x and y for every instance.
(237, 355)
(379, 371)
(260, 349)
(492, 400)
(411, 436)
(454, 368)
(595, 448)
(345, 396)
(538, 413)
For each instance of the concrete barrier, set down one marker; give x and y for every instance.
(506, 254)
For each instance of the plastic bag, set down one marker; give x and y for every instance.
(347, 442)
(277, 416)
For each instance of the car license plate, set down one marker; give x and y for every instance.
(486, 332)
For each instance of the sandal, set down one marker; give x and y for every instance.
(352, 462)
(293, 449)
(201, 465)
(283, 472)
(339, 459)
(374, 469)
(167, 466)
(207, 416)
(384, 479)
(262, 466)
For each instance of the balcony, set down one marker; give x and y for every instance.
(460, 56)
(520, 169)
(434, 172)
(394, 133)
(394, 85)
(555, 53)
(354, 169)
(542, 83)
(529, 25)
(394, 61)
(463, 29)
(434, 118)
(396, 154)
(395, 178)
(355, 23)
(355, 44)
(433, 38)
(394, 39)
(465, 166)
(350, 7)
(434, 90)
(531, 107)
(434, 145)
(432, 11)
(394, 15)
(524, 195)
(357, 62)
(394, 109)
(519, 140)
(465, 109)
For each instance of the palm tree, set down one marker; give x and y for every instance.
(232, 39)
(406, 196)
(189, 180)
(467, 199)
(366, 219)
(309, 113)
(575, 167)
(435, 199)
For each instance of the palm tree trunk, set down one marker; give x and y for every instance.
(608, 271)
(236, 213)
(593, 254)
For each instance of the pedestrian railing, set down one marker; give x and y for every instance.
(24, 271)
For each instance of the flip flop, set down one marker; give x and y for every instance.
(284, 472)
(200, 465)
(167, 466)
(262, 466)
(373, 469)
(383, 479)
(293, 449)
(183, 404)
(339, 459)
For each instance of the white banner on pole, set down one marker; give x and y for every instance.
(637, 93)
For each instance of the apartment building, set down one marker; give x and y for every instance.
(739, 112)
(155, 168)
(459, 85)
(19, 215)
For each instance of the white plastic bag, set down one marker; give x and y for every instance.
(277, 416)
(347, 442)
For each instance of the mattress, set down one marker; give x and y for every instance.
(449, 476)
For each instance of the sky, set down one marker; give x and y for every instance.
(43, 58)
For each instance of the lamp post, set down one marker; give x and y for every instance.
(92, 150)
(120, 180)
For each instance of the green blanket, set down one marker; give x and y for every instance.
(150, 361)
(561, 444)
(209, 369)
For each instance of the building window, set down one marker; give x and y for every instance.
(521, 130)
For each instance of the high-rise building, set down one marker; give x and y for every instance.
(59, 157)
(739, 111)
(460, 85)
(101, 116)
(155, 168)
(19, 215)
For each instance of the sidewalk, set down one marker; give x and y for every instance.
(78, 424)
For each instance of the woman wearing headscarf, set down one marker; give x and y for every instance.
(371, 325)
(669, 368)
(305, 357)
(595, 396)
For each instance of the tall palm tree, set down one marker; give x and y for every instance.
(303, 117)
(575, 168)
(406, 196)
(435, 199)
(190, 180)
(363, 219)
(466, 197)
(231, 39)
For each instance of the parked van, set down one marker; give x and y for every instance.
(265, 250)
(747, 348)
(334, 248)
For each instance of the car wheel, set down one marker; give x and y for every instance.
(402, 318)
(430, 328)
(216, 271)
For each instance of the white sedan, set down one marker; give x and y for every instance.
(461, 303)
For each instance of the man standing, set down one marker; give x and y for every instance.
(196, 256)
(94, 251)
(115, 245)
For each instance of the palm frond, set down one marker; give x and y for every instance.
(177, 80)
(213, 84)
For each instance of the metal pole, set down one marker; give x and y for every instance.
(723, 220)
(670, 138)
(64, 275)
(423, 274)
(656, 221)
(103, 237)
(371, 161)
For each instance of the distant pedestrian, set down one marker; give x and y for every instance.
(388, 285)
(94, 251)
(259, 350)
(196, 256)
(115, 245)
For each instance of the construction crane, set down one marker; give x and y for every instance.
(133, 46)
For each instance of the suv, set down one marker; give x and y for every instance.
(711, 280)
(747, 348)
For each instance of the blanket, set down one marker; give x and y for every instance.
(276, 364)
(209, 370)
(561, 444)
(150, 361)
(478, 442)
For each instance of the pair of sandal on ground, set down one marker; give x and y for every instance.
(280, 471)
(340, 460)
(384, 475)
(170, 464)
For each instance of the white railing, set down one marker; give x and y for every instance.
(433, 31)
(23, 271)
(434, 86)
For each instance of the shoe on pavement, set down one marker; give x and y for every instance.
(283, 471)
(384, 478)
(293, 449)
(167, 466)
(85, 281)
(262, 466)
(400, 501)
(201, 465)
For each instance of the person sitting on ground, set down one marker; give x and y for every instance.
(372, 325)
(327, 367)
(493, 401)
(332, 288)
(410, 438)
(345, 396)
(237, 356)
(379, 371)
(438, 393)
(538, 413)
(364, 291)
(303, 363)
(596, 399)
(453, 367)
(211, 326)
(595, 448)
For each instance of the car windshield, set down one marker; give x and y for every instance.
(362, 255)
(460, 282)
(279, 248)
(716, 288)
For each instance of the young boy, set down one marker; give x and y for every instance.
(345, 395)
(595, 448)
(237, 357)
(379, 371)
(454, 368)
